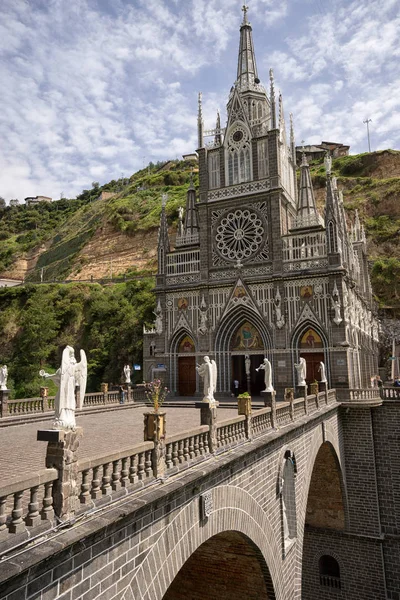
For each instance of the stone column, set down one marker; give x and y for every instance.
(244, 408)
(104, 390)
(303, 394)
(44, 392)
(62, 454)
(208, 416)
(4, 395)
(155, 431)
(324, 388)
(270, 400)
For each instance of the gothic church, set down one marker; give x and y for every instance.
(256, 271)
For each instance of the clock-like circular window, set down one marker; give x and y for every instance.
(237, 136)
(239, 234)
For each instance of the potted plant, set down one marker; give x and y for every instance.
(244, 404)
(154, 421)
(314, 388)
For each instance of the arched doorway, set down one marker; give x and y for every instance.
(186, 367)
(311, 348)
(228, 566)
(325, 511)
(247, 353)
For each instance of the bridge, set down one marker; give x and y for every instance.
(298, 499)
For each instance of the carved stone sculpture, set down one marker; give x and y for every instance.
(3, 377)
(247, 364)
(280, 321)
(158, 326)
(266, 367)
(301, 369)
(203, 322)
(67, 377)
(127, 373)
(208, 372)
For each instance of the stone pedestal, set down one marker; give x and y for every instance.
(289, 397)
(104, 390)
(4, 396)
(324, 388)
(208, 416)
(44, 392)
(62, 454)
(270, 400)
(155, 431)
(314, 388)
(302, 391)
(244, 408)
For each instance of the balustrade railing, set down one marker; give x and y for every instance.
(261, 421)
(391, 393)
(27, 504)
(359, 395)
(231, 432)
(283, 414)
(186, 448)
(34, 406)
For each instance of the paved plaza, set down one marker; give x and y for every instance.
(103, 433)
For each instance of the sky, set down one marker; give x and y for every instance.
(92, 90)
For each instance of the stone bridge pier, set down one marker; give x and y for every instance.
(305, 511)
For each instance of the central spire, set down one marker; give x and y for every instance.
(247, 68)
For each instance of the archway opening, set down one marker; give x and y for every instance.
(325, 512)
(186, 367)
(228, 566)
(311, 348)
(247, 350)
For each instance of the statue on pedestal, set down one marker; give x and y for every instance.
(127, 373)
(301, 369)
(67, 377)
(266, 367)
(3, 377)
(208, 372)
(158, 326)
(321, 369)
(247, 364)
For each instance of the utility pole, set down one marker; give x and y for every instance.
(367, 122)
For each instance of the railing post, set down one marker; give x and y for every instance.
(44, 392)
(4, 395)
(324, 388)
(289, 397)
(208, 416)
(155, 431)
(270, 400)
(303, 394)
(104, 391)
(244, 408)
(62, 454)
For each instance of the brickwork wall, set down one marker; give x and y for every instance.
(360, 562)
(225, 567)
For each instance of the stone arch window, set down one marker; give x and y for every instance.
(238, 166)
(332, 245)
(213, 170)
(288, 500)
(262, 151)
(329, 572)
(259, 110)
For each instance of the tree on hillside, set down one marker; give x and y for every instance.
(2, 203)
(14, 202)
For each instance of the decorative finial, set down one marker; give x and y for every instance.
(271, 76)
(245, 9)
(164, 199)
(328, 163)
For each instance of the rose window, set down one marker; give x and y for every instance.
(239, 234)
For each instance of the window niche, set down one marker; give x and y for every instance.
(288, 500)
(329, 572)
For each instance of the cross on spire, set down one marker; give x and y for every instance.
(245, 9)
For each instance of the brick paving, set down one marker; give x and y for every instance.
(103, 433)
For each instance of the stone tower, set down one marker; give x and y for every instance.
(256, 270)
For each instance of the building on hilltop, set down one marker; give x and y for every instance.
(256, 270)
(36, 199)
(318, 151)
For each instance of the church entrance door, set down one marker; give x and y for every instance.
(239, 373)
(187, 375)
(312, 360)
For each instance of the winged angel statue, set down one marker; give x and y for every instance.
(67, 377)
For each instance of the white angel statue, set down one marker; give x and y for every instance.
(208, 372)
(67, 377)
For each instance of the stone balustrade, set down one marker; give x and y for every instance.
(28, 507)
(35, 406)
(185, 449)
(359, 397)
(391, 393)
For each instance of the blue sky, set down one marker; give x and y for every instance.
(93, 89)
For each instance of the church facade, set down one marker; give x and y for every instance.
(255, 270)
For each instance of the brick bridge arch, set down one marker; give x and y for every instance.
(233, 510)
